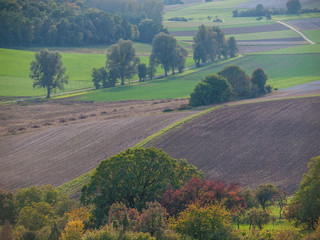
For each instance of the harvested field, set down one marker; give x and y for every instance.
(58, 155)
(305, 24)
(251, 144)
(17, 118)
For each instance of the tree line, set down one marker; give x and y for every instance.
(75, 23)
(210, 44)
(292, 7)
(230, 82)
(146, 194)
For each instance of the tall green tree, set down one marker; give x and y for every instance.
(293, 6)
(238, 79)
(178, 58)
(142, 72)
(134, 177)
(148, 29)
(121, 58)
(232, 46)
(100, 76)
(47, 71)
(265, 194)
(304, 207)
(163, 49)
(212, 89)
(259, 78)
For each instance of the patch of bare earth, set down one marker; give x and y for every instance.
(72, 138)
(253, 143)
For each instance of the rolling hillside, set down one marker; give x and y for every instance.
(252, 143)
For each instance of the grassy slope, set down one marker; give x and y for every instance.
(283, 71)
(15, 64)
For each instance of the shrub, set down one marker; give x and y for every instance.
(204, 222)
(212, 89)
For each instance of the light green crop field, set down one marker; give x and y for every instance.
(283, 71)
(15, 69)
(200, 12)
(314, 35)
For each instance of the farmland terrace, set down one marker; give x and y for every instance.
(251, 144)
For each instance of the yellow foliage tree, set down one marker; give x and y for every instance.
(73, 231)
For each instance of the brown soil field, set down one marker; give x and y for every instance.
(261, 48)
(305, 24)
(251, 144)
(238, 30)
(30, 116)
(60, 152)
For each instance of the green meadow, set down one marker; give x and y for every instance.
(15, 69)
(283, 71)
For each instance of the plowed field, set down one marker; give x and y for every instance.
(58, 155)
(251, 144)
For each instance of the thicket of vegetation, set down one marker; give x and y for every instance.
(210, 43)
(293, 7)
(75, 23)
(146, 194)
(230, 82)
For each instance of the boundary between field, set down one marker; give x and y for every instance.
(297, 31)
(73, 187)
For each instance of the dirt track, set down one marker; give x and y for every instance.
(252, 144)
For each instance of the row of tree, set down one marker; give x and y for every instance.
(210, 43)
(145, 194)
(73, 23)
(231, 81)
(123, 63)
(293, 7)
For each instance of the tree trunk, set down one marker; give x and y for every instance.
(173, 71)
(122, 80)
(48, 92)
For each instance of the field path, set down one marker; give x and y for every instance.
(58, 155)
(297, 31)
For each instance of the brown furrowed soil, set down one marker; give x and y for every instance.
(306, 24)
(59, 154)
(251, 144)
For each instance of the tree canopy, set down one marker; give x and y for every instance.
(134, 177)
(304, 207)
(293, 6)
(164, 51)
(121, 58)
(47, 71)
(212, 89)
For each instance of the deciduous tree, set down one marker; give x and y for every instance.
(293, 6)
(204, 222)
(212, 89)
(163, 47)
(238, 79)
(134, 177)
(142, 72)
(259, 78)
(232, 46)
(265, 194)
(47, 71)
(121, 58)
(304, 207)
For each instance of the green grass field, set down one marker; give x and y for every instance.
(15, 68)
(283, 71)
